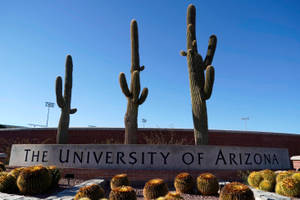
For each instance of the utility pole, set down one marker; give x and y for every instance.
(49, 105)
(245, 119)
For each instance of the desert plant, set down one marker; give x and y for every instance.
(85, 198)
(207, 184)
(200, 86)
(64, 102)
(184, 183)
(173, 196)
(8, 184)
(236, 191)
(3, 173)
(155, 188)
(254, 179)
(55, 173)
(122, 193)
(119, 180)
(133, 95)
(282, 175)
(2, 167)
(288, 187)
(266, 185)
(94, 192)
(34, 180)
(15, 172)
(296, 176)
(268, 175)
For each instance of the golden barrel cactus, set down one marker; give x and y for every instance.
(184, 183)
(122, 193)
(94, 192)
(207, 184)
(34, 180)
(155, 188)
(236, 191)
(119, 180)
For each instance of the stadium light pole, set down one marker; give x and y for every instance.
(49, 105)
(245, 119)
(144, 122)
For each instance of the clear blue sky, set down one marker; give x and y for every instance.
(257, 61)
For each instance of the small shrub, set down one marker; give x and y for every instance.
(119, 180)
(236, 191)
(93, 192)
(155, 188)
(122, 193)
(207, 184)
(184, 183)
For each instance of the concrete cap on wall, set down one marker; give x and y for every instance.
(295, 158)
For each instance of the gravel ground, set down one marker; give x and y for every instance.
(63, 184)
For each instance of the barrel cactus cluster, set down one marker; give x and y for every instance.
(29, 180)
(285, 183)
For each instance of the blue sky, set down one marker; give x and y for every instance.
(257, 62)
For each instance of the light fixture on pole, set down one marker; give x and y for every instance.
(245, 119)
(144, 122)
(49, 105)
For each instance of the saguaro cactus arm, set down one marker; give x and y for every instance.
(73, 110)
(59, 97)
(124, 85)
(212, 44)
(209, 81)
(143, 96)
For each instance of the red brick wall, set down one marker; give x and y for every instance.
(148, 136)
(151, 136)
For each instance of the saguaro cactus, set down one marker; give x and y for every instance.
(64, 102)
(200, 86)
(133, 95)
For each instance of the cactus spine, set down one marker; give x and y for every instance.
(64, 102)
(133, 95)
(200, 86)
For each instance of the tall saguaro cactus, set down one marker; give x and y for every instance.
(64, 102)
(133, 95)
(200, 85)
